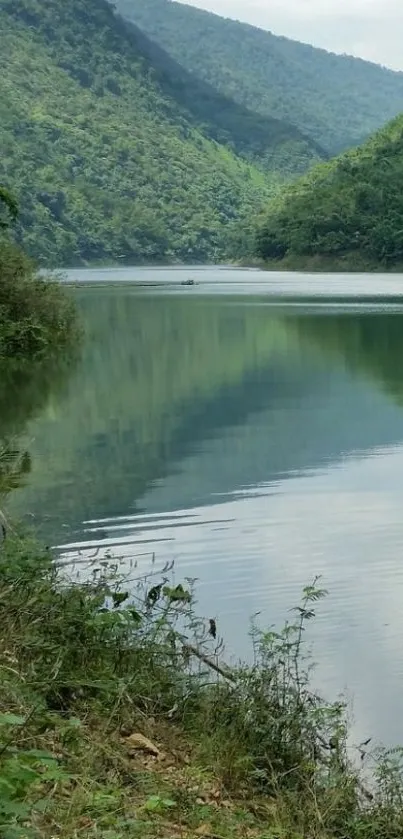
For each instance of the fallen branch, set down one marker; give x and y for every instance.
(222, 670)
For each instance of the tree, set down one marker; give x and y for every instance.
(8, 207)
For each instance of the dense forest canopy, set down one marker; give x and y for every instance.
(273, 144)
(348, 212)
(337, 100)
(8, 208)
(104, 150)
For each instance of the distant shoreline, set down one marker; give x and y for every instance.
(307, 265)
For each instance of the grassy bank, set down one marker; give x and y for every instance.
(87, 672)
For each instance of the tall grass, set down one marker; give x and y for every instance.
(83, 664)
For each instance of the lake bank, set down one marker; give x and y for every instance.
(108, 728)
(236, 429)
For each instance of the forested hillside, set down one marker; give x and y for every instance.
(272, 144)
(346, 213)
(337, 100)
(109, 155)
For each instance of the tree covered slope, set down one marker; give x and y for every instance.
(337, 100)
(348, 212)
(103, 149)
(272, 144)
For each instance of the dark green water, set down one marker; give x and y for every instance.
(256, 441)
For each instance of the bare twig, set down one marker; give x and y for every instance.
(223, 670)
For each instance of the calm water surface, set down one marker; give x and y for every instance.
(250, 428)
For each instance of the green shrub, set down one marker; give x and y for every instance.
(37, 317)
(22, 776)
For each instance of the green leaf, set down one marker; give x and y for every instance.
(14, 808)
(12, 719)
(119, 598)
(177, 594)
(155, 802)
(74, 722)
(38, 754)
(135, 616)
(15, 832)
(5, 786)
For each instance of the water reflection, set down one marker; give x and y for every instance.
(25, 390)
(256, 446)
(275, 393)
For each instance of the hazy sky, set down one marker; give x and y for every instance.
(371, 29)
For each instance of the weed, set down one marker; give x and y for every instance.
(23, 774)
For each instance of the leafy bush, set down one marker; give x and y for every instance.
(37, 318)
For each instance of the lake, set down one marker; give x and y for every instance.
(248, 428)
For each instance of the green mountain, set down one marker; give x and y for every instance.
(346, 213)
(112, 150)
(338, 100)
(272, 144)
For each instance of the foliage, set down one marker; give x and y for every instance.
(288, 743)
(108, 161)
(37, 318)
(83, 665)
(349, 211)
(271, 143)
(337, 100)
(22, 773)
(10, 205)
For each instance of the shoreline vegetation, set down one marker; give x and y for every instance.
(38, 320)
(113, 722)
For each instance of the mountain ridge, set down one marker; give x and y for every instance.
(338, 100)
(260, 139)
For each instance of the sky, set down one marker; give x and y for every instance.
(370, 29)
